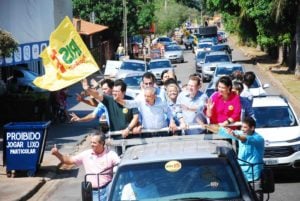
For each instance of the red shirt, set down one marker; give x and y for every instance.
(224, 109)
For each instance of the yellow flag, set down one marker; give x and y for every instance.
(67, 60)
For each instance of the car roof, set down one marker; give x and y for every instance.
(157, 60)
(134, 61)
(269, 101)
(173, 150)
(212, 53)
(228, 65)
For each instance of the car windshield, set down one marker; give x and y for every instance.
(189, 178)
(133, 81)
(201, 55)
(217, 58)
(165, 40)
(274, 116)
(227, 71)
(219, 48)
(133, 66)
(172, 48)
(159, 64)
(204, 45)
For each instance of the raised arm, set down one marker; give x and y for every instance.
(63, 158)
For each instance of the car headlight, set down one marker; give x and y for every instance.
(296, 147)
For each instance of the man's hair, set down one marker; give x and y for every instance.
(249, 121)
(226, 81)
(238, 85)
(163, 73)
(100, 135)
(151, 89)
(196, 78)
(170, 81)
(249, 78)
(121, 83)
(109, 82)
(173, 85)
(149, 75)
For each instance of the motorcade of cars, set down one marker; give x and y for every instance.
(279, 125)
(222, 47)
(157, 66)
(131, 66)
(199, 60)
(212, 59)
(174, 53)
(182, 170)
(133, 82)
(202, 46)
(23, 79)
(163, 40)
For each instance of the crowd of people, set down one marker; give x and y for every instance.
(173, 106)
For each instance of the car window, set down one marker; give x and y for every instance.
(172, 48)
(270, 117)
(201, 178)
(159, 64)
(133, 81)
(217, 58)
(227, 71)
(204, 45)
(201, 55)
(133, 66)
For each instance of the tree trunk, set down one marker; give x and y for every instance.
(297, 69)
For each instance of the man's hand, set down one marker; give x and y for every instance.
(94, 83)
(84, 84)
(54, 150)
(172, 126)
(125, 132)
(74, 117)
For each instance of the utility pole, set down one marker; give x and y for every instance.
(125, 27)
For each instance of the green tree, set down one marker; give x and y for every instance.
(110, 13)
(7, 44)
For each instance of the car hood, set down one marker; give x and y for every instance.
(123, 73)
(159, 70)
(281, 134)
(168, 53)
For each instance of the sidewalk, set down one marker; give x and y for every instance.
(23, 187)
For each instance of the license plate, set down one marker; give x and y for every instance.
(271, 162)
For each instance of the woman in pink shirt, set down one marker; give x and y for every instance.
(224, 106)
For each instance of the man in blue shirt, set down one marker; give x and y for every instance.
(251, 151)
(192, 102)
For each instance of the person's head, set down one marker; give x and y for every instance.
(249, 78)
(237, 75)
(107, 86)
(98, 141)
(119, 89)
(224, 86)
(237, 87)
(194, 84)
(150, 95)
(172, 91)
(164, 76)
(148, 80)
(248, 125)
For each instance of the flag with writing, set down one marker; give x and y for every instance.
(67, 60)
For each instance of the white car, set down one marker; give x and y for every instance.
(131, 66)
(212, 59)
(277, 122)
(157, 66)
(133, 84)
(204, 46)
(174, 53)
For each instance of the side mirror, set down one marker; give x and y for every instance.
(267, 179)
(266, 86)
